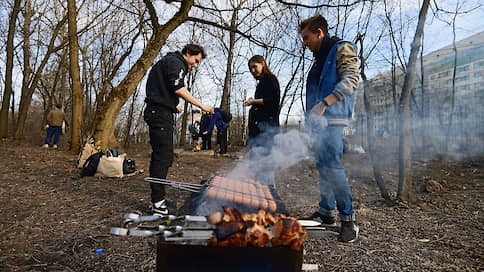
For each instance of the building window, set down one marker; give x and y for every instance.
(479, 64)
(478, 85)
(462, 78)
(463, 87)
(462, 69)
(444, 74)
(478, 74)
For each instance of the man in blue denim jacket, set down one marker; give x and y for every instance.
(329, 104)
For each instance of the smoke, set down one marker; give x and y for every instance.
(285, 150)
(432, 136)
(272, 152)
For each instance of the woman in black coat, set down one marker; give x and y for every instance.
(263, 119)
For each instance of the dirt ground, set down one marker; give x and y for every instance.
(52, 221)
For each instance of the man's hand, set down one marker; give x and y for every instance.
(208, 109)
(179, 109)
(318, 109)
(205, 133)
(249, 101)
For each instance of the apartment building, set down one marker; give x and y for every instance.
(431, 100)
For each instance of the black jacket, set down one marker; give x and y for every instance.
(166, 76)
(268, 89)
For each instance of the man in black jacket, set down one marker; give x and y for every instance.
(165, 84)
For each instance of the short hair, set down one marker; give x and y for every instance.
(59, 106)
(313, 23)
(194, 50)
(260, 59)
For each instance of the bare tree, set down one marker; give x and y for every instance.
(108, 109)
(31, 78)
(75, 77)
(9, 67)
(405, 186)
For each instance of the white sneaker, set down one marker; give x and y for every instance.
(159, 208)
(45, 146)
(54, 146)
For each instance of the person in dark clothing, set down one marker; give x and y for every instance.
(330, 87)
(165, 84)
(263, 118)
(218, 121)
(207, 138)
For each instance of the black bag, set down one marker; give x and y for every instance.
(90, 166)
(129, 166)
(226, 115)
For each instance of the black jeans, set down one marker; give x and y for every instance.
(222, 140)
(160, 121)
(207, 141)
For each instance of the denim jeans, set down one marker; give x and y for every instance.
(53, 131)
(260, 153)
(333, 184)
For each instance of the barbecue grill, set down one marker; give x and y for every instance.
(209, 197)
(188, 258)
(216, 192)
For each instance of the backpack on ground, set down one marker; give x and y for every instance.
(89, 167)
(129, 166)
(226, 115)
(86, 151)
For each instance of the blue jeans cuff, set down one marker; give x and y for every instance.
(347, 217)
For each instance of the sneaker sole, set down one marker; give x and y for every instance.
(317, 219)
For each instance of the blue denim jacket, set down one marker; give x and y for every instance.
(339, 76)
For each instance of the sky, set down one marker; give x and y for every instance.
(437, 35)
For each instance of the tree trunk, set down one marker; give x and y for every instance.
(225, 102)
(183, 129)
(26, 96)
(129, 123)
(74, 70)
(405, 186)
(9, 69)
(452, 97)
(423, 122)
(107, 110)
(377, 171)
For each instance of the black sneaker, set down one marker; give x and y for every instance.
(160, 208)
(323, 219)
(349, 231)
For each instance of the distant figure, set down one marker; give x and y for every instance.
(207, 138)
(165, 84)
(54, 125)
(263, 118)
(221, 120)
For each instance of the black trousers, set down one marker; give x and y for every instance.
(207, 141)
(222, 141)
(160, 121)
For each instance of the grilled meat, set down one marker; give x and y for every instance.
(288, 231)
(250, 229)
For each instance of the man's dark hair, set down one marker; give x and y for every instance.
(313, 23)
(194, 50)
(59, 106)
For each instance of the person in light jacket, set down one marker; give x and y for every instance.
(55, 118)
